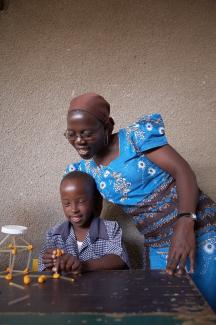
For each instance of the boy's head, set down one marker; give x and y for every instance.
(80, 198)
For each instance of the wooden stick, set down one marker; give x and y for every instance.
(29, 259)
(66, 278)
(15, 301)
(16, 285)
(22, 239)
(4, 239)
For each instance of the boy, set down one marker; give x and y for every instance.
(87, 242)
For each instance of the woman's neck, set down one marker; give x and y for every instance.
(109, 153)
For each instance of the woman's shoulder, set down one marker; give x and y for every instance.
(149, 121)
(146, 133)
(71, 167)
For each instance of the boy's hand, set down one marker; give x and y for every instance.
(49, 258)
(67, 263)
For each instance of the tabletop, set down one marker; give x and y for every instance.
(105, 297)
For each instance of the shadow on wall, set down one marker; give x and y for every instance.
(133, 240)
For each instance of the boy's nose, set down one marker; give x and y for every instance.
(74, 207)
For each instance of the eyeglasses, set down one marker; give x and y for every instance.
(85, 134)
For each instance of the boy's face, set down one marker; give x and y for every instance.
(77, 202)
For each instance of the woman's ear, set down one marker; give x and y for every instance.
(109, 125)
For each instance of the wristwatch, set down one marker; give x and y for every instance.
(187, 214)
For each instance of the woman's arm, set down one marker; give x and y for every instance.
(183, 240)
(107, 262)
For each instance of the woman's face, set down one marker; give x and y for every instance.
(86, 134)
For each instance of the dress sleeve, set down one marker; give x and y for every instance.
(72, 167)
(147, 133)
(115, 245)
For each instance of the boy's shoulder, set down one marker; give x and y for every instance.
(111, 226)
(58, 228)
(110, 223)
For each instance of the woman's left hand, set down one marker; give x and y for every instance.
(183, 245)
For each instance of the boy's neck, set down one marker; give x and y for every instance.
(80, 233)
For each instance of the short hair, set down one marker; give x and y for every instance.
(82, 176)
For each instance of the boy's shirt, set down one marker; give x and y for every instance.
(103, 238)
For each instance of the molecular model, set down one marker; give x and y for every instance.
(13, 244)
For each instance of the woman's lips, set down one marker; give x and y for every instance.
(83, 151)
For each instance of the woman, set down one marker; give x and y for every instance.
(138, 170)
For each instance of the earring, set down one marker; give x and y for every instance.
(106, 142)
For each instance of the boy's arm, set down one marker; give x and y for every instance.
(114, 254)
(107, 262)
(45, 261)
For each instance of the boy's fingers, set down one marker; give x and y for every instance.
(68, 266)
(48, 264)
(57, 262)
(75, 265)
(61, 264)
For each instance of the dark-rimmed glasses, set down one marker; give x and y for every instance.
(85, 134)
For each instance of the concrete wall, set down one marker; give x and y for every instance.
(142, 56)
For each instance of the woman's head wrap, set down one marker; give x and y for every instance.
(95, 105)
(91, 103)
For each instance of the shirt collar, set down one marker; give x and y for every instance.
(97, 230)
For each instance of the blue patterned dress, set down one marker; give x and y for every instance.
(148, 194)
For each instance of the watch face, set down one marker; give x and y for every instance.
(193, 216)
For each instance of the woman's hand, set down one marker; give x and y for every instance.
(183, 245)
(67, 263)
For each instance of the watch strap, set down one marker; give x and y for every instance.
(187, 214)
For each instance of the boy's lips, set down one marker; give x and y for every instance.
(75, 218)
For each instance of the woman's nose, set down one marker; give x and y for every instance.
(80, 139)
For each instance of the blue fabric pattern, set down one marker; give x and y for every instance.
(148, 194)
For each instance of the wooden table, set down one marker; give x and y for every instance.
(106, 297)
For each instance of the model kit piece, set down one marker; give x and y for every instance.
(15, 244)
(27, 279)
(8, 277)
(42, 279)
(56, 275)
(58, 252)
